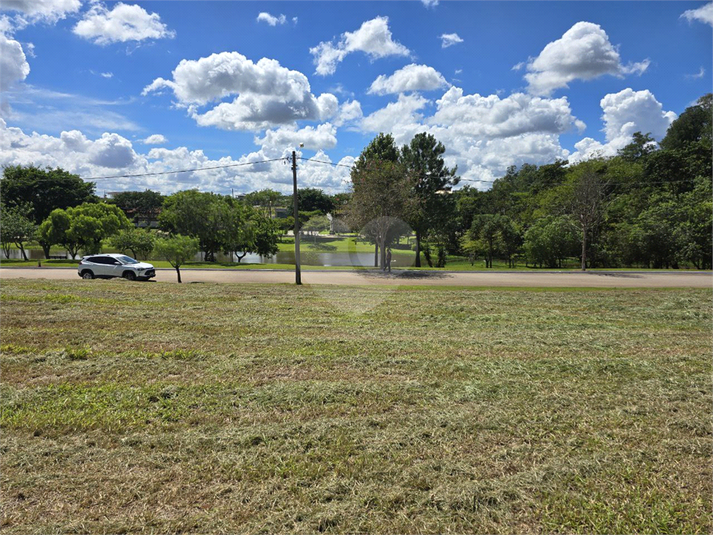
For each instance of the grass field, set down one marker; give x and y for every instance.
(226, 408)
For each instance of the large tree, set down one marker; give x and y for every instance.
(177, 250)
(423, 158)
(380, 202)
(197, 214)
(44, 189)
(139, 205)
(16, 227)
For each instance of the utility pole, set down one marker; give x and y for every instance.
(298, 275)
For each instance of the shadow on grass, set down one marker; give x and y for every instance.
(406, 274)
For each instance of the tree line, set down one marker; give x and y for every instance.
(650, 205)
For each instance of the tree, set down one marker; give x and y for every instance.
(588, 206)
(266, 199)
(693, 125)
(139, 242)
(44, 189)
(423, 158)
(314, 200)
(197, 214)
(52, 230)
(316, 224)
(177, 250)
(551, 240)
(265, 232)
(82, 227)
(15, 227)
(380, 201)
(139, 205)
(486, 228)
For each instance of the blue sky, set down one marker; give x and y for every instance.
(109, 88)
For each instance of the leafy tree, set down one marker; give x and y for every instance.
(423, 158)
(486, 228)
(266, 199)
(551, 240)
(380, 201)
(316, 224)
(139, 242)
(16, 227)
(640, 147)
(44, 189)
(52, 230)
(314, 200)
(265, 235)
(693, 125)
(139, 205)
(197, 214)
(177, 250)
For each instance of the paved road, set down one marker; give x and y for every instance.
(599, 279)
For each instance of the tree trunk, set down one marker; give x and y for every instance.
(383, 256)
(178, 273)
(584, 249)
(418, 249)
(376, 255)
(22, 250)
(46, 251)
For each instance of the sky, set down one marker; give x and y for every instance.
(109, 89)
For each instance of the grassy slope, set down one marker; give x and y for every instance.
(207, 408)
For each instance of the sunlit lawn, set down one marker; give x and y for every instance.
(227, 408)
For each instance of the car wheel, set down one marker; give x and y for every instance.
(129, 275)
(87, 275)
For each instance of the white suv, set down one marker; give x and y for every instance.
(105, 266)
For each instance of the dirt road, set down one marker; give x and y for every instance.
(595, 279)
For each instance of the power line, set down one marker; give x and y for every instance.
(138, 175)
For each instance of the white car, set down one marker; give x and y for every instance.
(106, 266)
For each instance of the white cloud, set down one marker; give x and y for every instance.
(625, 113)
(322, 137)
(270, 19)
(13, 63)
(112, 154)
(483, 135)
(33, 11)
(582, 53)
(429, 3)
(702, 14)
(373, 38)
(123, 23)
(411, 78)
(107, 74)
(700, 74)
(450, 39)
(267, 93)
(349, 112)
(493, 117)
(155, 139)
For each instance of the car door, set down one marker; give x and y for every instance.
(114, 267)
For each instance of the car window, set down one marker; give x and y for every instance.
(128, 260)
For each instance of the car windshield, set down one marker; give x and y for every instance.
(127, 260)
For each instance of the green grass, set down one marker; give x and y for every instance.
(227, 408)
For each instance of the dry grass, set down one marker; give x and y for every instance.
(224, 408)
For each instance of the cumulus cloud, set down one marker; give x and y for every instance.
(493, 117)
(123, 23)
(373, 38)
(584, 52)
(33, 11)
(411, 78)
(13, 63)
(322, 137)
(155, 139)
(111, 154)
(483, 135)
(270, 19)
(702, 14)
(625, 113)
(450, 39)
(349, 112)
(267, 93)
